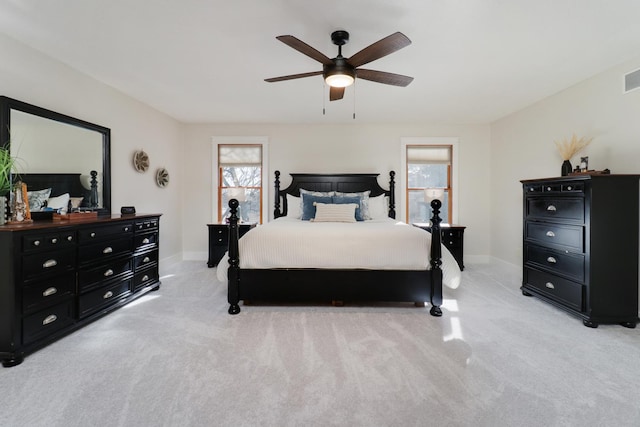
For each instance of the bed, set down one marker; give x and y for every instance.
(300, 282)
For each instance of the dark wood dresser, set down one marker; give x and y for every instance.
(57, 276)
(580, 245)
(452, 239)
(219, 240)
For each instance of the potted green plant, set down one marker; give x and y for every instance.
(7, 164)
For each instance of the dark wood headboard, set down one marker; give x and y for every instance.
(59, 183)
(345, 182)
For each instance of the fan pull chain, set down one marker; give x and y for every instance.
(324, 88)
(354, 100)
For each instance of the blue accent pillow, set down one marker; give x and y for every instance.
(308, 210)
(343, 200)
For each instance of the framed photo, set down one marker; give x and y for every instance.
(584, 164)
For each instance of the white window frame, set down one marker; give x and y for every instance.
(401, 201)
(240, 140)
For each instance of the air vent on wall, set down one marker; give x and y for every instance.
(632, 81)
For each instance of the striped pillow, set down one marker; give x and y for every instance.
(335, 213)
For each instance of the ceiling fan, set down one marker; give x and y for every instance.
(340, 72)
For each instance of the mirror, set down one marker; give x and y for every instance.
(60, 152)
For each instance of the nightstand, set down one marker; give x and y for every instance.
(452, 239)
(219, 240)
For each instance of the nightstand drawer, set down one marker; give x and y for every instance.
(555, 235)
(556, 208)
(562, 290)
(567, 264)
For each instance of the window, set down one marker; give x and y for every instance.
(428, 178)
(240, 178)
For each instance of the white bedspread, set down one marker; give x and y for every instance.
(384, 244)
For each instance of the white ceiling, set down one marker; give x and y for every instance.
(473, 61)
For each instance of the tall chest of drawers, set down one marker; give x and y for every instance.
(580, 248)
(57, 276)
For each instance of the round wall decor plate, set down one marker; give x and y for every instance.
(141, 161)
(162, 177)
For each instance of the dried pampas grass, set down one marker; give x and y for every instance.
(570, 147)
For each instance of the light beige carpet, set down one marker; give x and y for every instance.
(176, 358)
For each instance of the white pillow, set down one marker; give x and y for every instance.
(379, 207)
(59, 202)
(335, 213)
(294, 207)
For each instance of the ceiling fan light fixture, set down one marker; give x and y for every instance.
(339, 80)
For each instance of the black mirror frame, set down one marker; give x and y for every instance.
(7, 104)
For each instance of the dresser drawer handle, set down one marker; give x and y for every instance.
(551, 234)
(107, 250)
(49, 291)
(54, 240)
(49, 319)
(69, 238)
(145, 278)
(550, 285)
(219, 240)
(552, 260)
(551, 208)
(92, 235)
(569, 188)
(108, 295)
(49, 263)
(126, 229)
(145, 240)
(108, 273)
(146, 259)
(36, 243)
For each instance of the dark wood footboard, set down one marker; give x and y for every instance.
(328, 285)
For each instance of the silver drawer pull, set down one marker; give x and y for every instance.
(219, 240)
(126, 229)
(54, 240)
(108, 295)
(145, 278)
(551, 208)
(92, 235)
(550, 285)
(36, 243)
(107, 250)
(49, 291)
(69, 238)
(551, 234)
(108, 273)
(49, 319)
(552, 260)
(569, 188)
(146, 259)
(49, 263)
(145, 240)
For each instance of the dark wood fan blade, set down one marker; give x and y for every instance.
(336, 93)
(383, 77)
(384, 47)
(302, 47)
(293, 76)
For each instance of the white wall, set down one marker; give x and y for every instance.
(355, 148)
(32, 77)
(522, 146)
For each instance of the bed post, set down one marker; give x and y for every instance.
(276, 211)
(392, 196)
(234, 261)
(436, 260)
